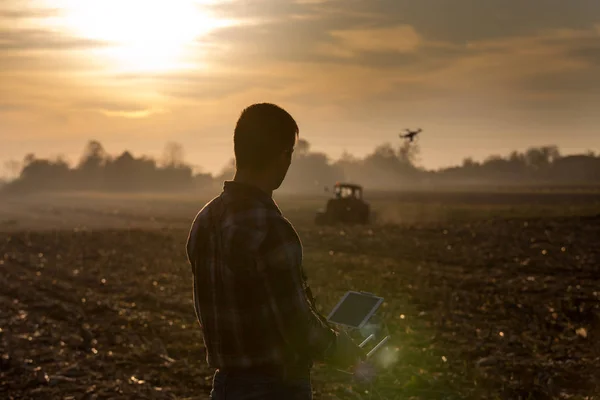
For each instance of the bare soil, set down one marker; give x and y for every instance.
(484, 301)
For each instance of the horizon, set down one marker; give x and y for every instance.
(73, 159)
(479, 79)
(199, 169)
(173, 156)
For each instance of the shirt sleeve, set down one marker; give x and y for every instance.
(300, 324)
(190, 246)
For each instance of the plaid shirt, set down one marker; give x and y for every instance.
(250, 292)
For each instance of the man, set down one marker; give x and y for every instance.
(261, 329)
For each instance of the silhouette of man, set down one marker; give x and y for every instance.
(260, 327)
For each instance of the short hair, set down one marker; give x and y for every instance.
(262, 132)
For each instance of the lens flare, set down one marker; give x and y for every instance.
(387, 357)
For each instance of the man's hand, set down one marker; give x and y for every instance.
(364, 372)
(346, 352)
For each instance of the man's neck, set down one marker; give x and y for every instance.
(253, 179)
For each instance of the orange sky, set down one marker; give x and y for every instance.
(479, 77)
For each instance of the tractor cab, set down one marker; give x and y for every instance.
(347, 191)
(346, 206)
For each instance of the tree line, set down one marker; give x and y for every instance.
(386, 167)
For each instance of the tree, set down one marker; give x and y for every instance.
(173, 155)
(541, 157)
(29, 158)
(408, 153)
(93, 155)
(469, 163)
(302, 148)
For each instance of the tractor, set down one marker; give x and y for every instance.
(346, 207)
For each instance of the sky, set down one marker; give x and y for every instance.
(479, 77)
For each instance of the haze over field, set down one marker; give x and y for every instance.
(479, 77)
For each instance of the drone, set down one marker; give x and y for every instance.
(410, 135)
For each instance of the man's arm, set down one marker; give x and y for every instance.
(300, 324)
(259, 242)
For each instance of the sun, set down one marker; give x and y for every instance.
(141, 35)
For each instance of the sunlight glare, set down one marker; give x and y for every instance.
(142, 35)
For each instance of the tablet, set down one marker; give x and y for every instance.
(355, 309)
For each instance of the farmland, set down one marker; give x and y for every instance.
(488, 295)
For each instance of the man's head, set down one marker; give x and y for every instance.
(264, 140)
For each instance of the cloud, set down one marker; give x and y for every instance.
(584, 82)
(110, 106)
(263, 10)
(320, 68)
(339, 57)
(12, 107)
(269, 22)
(42, 39)
(398, 39)
(314, 41)
(312, 2)
(131, 114)
(589, 53)
(28, 13)
(461, 21)
(41, 62)
(117, 109)
(215, 89)
(391, 47)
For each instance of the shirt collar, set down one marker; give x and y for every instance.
(251, 191)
